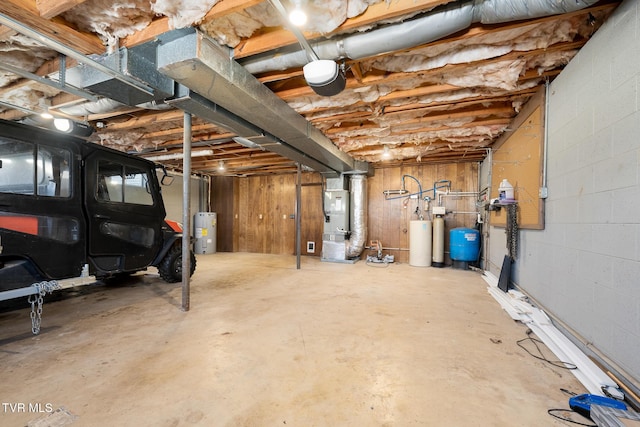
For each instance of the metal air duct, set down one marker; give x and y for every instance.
(137, 63)
(199, 63)
(107, 105)
(358, 221)
(439, 23)
(199, 106)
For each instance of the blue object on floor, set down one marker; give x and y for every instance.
(582, 403)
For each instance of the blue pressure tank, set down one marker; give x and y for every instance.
(464, 244)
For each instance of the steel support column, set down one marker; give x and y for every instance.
(186, 213)
(298, 216)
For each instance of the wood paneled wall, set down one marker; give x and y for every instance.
(223, 189)
(265, 209)
(389, 219)
(261, 210)
(256, 214)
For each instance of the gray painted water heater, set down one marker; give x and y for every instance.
(204, 230)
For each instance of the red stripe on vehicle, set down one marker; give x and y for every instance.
(21, 224)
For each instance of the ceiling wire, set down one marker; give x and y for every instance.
(311, 54)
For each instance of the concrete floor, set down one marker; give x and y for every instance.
(265, 344)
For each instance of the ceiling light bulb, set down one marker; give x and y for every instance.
(297, 17)
(221, 165)
(386, 154)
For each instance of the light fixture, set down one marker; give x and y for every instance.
(386, 153)
(325, 77)
(43, 107)
(58, 124)
(72, 127)
(221, 166)
(63, 125)
(297, 16)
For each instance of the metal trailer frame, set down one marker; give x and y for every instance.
(38, 290)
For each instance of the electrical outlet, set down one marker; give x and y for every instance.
(543, 193)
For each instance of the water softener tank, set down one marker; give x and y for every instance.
(420, 243)
(438, 242)
(464, 244)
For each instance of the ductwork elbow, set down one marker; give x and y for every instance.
(358, 225)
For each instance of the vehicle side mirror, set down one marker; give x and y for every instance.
(166, 178)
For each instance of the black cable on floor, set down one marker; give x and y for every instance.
(535, 341)
(552, 412)
(569, 392)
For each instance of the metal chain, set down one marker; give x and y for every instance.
(36, 300)
(512, 230)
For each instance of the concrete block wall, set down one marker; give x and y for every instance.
(584, 267)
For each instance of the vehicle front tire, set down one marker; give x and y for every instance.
(170, 268)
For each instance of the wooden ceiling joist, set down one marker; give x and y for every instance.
(56, 29)
(50, 8)
(433, 115)
(382, 11)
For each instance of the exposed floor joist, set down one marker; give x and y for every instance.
(412, 108)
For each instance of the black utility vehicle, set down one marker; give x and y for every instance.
(68, 206)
